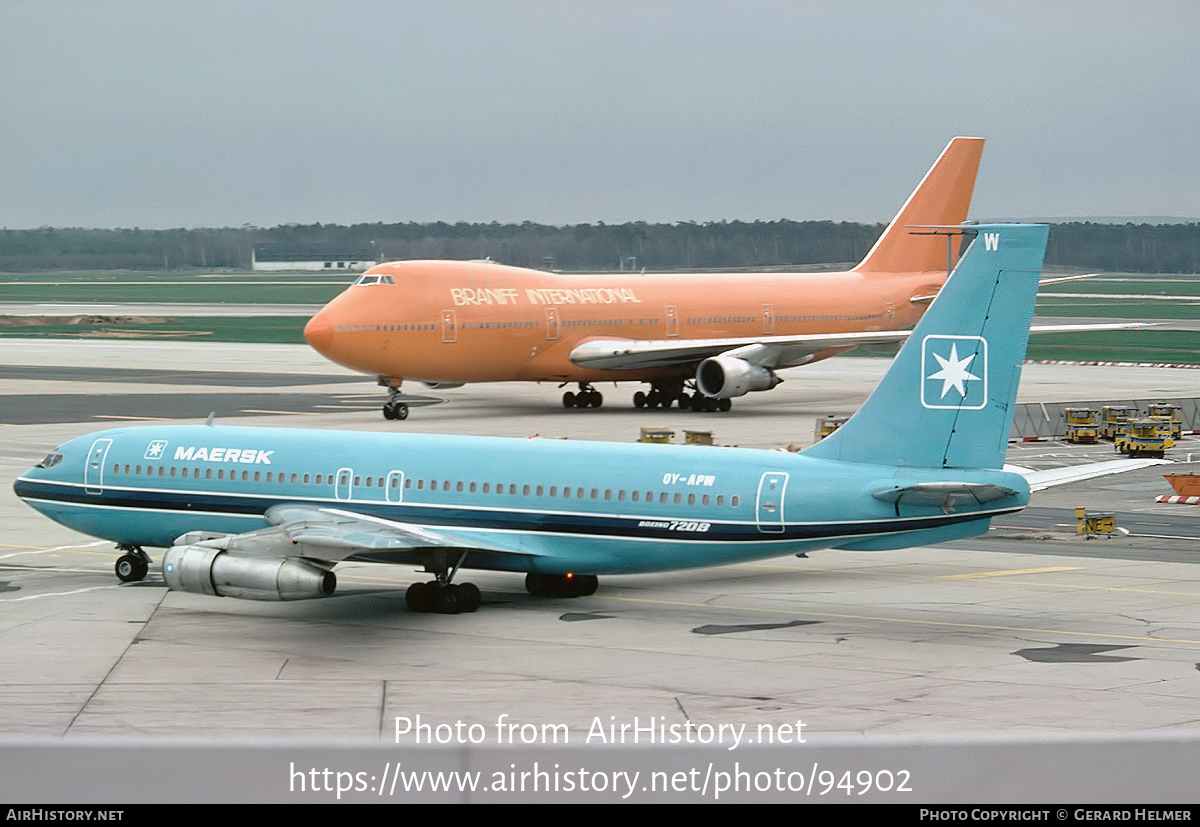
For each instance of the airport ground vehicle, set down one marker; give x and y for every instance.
(1082, 425)
(1113, 419)
(1144, 438)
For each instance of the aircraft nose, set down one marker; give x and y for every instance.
(319, 333)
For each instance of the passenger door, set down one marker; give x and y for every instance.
(93, 472)
(769, 505)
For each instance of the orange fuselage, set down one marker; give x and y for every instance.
(464, 321)
(456, 321)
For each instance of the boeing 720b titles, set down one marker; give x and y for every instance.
(267, 513)
(719, 335)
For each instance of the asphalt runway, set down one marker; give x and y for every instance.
(1029, 632)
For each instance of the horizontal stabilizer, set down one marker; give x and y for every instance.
(1041, 480)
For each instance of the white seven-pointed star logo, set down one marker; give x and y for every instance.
(943, 369)
(954, 373)
(155, 449)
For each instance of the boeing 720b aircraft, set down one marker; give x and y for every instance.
(267, 513)
(452, 322)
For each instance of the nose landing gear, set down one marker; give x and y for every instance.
(133, 565)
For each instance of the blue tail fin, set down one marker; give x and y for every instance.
(947, 400)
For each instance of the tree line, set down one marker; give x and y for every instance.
(1150, 248)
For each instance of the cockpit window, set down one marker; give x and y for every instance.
(374, 278)
(51, 460)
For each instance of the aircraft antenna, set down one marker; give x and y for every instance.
(211, 415)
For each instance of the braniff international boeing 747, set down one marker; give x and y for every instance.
(267, 513)
(698, 339)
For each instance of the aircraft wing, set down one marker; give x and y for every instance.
(330, 535)
(1040, 480)
(767, 351)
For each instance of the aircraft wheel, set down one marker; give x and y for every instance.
(448, 599)
(585, 584)
(388, 411)
(710, 404)
(595, 399)
(639, 399)
(561, 585)
(685, 401)
(414, 597)
(696, 403)
(568, 400)
(471, 598)
(130, 568)
(401, 411)
(724, 405)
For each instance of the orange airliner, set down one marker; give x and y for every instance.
(698, 339)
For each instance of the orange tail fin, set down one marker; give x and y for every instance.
(942, 198)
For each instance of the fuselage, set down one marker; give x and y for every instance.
(454, 321)
(559, 505)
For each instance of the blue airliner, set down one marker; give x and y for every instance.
(266, 513)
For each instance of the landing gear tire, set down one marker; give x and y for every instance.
(561, 585)
(417, 597)
(587, 397)
(700, 403)
(395, 410)
(447, 600)
(443, 598)
(131, 568)
(639, 399)
(470, 596)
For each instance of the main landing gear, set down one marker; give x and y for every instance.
(133, 565)
(665, 394)
(440, 595)
(561, 585)
(444, 598)
(588, 397)
(394, 408)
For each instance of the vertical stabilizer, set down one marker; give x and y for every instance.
(947, 399)
(942, 198)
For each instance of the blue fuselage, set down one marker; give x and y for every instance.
(559, 505)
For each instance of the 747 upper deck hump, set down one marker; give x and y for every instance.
(697, 339)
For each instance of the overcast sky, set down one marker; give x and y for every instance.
(166, 114)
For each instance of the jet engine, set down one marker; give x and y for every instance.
(724, 377)
(207, 570)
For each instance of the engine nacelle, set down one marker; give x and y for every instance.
(724, 377)
(207, 570)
